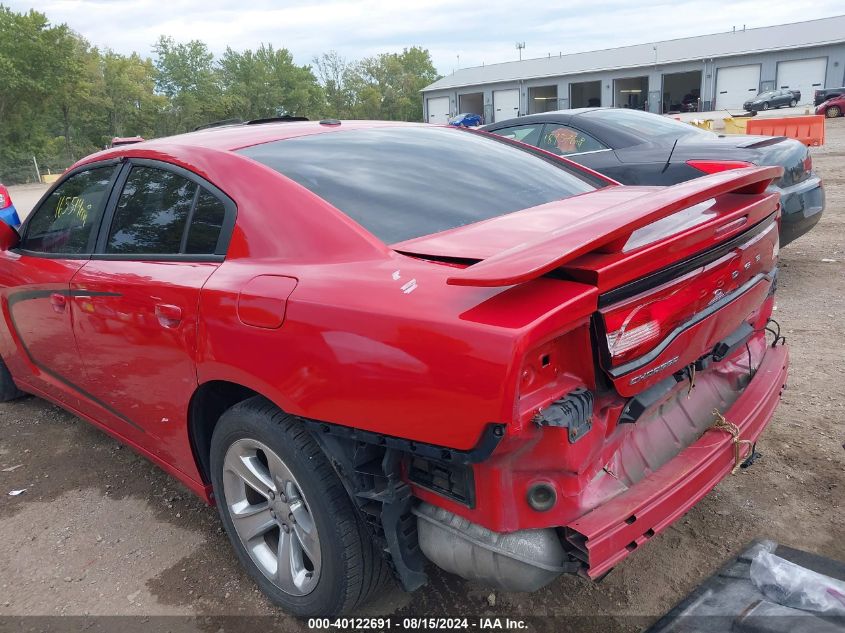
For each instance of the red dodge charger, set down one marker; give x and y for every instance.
(373, 344)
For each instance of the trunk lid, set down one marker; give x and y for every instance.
(788, 153)
(677, 269)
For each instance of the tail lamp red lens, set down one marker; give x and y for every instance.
(715, 166)
(5, 200)
(636, 326)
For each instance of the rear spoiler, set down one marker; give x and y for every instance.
(608, 230)
(761, 142)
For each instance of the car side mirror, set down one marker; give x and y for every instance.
(9, 237)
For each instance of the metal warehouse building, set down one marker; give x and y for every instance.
(718, 71)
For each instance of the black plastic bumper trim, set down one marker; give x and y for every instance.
(487, 443)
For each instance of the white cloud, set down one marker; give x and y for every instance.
(482, 32)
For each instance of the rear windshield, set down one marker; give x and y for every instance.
(644, 124)
(405, 182)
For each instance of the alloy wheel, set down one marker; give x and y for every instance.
(271, 516)
(833, 112)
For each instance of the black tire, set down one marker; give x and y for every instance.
(352, 569)
(793, 103)
(765, 105)
(832, 112)
(8, 388)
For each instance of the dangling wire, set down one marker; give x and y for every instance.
(776, 334)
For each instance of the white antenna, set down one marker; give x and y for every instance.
(519, 47)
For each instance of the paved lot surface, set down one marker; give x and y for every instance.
(101, 531)
(24, 197)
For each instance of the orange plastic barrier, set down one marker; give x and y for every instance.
(807, 129)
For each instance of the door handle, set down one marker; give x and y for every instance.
(169, 316)
(58, 301)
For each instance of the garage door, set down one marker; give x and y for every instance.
(735, 85)
(438, 110)
(505, 105)
(805, 75)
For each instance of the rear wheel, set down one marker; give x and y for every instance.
(766, 105)
(833, 111)
(289, 518)
(793, 103)
(8, 389)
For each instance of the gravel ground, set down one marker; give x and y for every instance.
(101, 531)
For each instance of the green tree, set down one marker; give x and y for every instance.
(132, 106)
(185, 75)
(28, 76)
(388, 86)
(334, 74)
(267, 83)
(78, 95)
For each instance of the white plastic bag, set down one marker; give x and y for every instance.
(794, 586)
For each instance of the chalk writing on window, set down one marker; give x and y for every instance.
(73, 206)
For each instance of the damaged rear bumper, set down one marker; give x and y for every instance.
(604, 536)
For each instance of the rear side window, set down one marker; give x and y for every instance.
(151, 212)
(528, 134)
(206, 224)
(65, 222)
(405, 182)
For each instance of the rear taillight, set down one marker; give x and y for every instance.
(715, 166)
(636, 326)
(5, 200)
(631, 336)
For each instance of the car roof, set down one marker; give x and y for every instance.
(230, 138)
(561, 116)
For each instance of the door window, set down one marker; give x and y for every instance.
(563, 140)
(151, 213)
(529, 134)
(66, 222)
(160, 212)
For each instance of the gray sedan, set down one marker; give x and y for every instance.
(772, 99)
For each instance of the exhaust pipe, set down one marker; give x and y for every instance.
(517, 561)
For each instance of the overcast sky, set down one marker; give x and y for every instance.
(479, 32)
